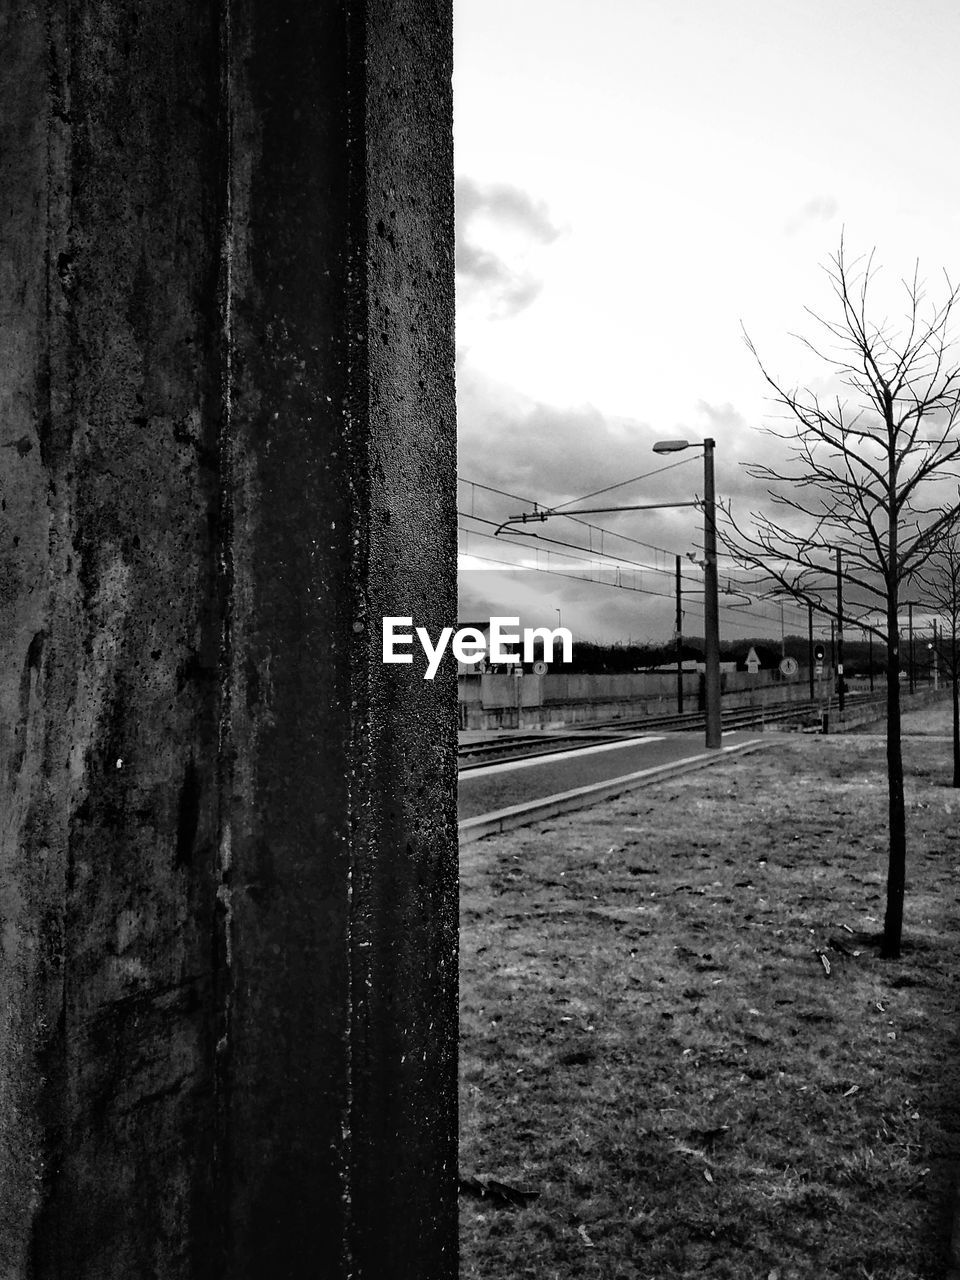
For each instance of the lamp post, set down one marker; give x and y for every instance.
(711, 607)
(679, 639)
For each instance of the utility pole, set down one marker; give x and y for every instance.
(840, 690)
(870, 640)
(910, 644)
(711, 612)
(813, 692)
(679, 634)
(711, 609)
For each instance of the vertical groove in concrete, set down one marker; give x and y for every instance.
(227, 833)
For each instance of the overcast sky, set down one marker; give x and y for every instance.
(635, 179)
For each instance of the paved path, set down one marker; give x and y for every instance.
(498, 786)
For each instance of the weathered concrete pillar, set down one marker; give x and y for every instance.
(227, 832)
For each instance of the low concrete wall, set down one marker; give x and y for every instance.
(554, 700)
(566, 689)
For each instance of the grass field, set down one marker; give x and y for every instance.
(652, 1043)
(933, 720)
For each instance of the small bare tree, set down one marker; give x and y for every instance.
(855, 504)
(941, 577)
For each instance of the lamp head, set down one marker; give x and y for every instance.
(671, 446)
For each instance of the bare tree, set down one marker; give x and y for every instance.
(941, 577)
(860, 500)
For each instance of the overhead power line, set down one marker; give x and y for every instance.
(509, 537)
(622, 483)
(589, 524)
(576, 577)
(740, 616)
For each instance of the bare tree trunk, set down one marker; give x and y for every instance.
(896, 873)
(956, 708)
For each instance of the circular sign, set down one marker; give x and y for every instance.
(539, 668)
(789, 666)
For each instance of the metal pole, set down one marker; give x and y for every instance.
(711, 609)
(679, 633)
(936, 664)
(840, 690)
(870, 638)
(813, 692)
(910, 643)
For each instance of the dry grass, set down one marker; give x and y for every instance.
(650, 1040)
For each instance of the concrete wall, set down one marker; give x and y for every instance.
(491, 701)
(557, 688)
(227, 833)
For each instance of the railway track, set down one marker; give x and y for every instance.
(521, 746)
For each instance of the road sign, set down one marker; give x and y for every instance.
(753, 661)
(789, 666)
(518, 670)
(818, 670)
(540, 668)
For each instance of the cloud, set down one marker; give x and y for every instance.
(505, 203)
(515, 222)
(589, 610)
(817, 209)
(551, 453)
(508, 292)
(739, 445)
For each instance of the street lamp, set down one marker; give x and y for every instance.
(711, 608)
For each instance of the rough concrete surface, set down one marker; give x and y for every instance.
(227, 832)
